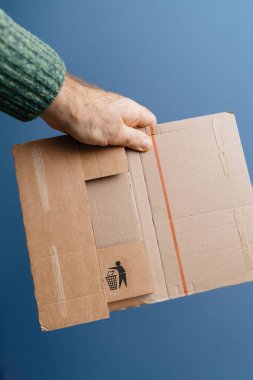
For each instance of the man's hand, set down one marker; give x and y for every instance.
(94, 116)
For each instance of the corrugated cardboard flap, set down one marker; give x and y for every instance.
(62, 248)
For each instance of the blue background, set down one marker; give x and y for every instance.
(181, 59)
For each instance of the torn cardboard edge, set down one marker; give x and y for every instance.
(144, 227)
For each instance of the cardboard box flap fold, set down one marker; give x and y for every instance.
(102, 161)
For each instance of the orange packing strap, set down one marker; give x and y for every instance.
(167, 203)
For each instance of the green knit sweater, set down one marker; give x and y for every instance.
(31, 73)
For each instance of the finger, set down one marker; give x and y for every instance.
(139, 116)
(132, 138)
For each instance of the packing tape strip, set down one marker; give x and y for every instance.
(167, 203)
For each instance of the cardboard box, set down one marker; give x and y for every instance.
(109, 228)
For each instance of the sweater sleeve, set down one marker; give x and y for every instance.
(31, 72)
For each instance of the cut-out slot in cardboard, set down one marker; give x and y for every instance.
(121, 251)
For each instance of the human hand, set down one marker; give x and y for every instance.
(94, 116)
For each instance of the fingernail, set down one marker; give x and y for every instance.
(146, 143)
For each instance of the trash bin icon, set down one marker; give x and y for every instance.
(111, 279)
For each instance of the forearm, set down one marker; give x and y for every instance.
(33, 82)
(31, 73)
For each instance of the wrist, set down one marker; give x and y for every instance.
(57, 113)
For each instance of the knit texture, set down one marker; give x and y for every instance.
(31, 72)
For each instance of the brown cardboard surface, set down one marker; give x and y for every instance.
(179, 218)
(113, 210)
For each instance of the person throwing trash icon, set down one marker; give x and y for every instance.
(122, 273)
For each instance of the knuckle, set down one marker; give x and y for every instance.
(127, 140)
(134, 138)
(138, 136)
(113, 134)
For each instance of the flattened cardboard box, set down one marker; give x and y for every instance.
(109, 228)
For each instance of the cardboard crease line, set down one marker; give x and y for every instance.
(210, 212)
(152, 217)
(71, 299)
(132, 195)
(83, 168)
(99, 174)
(76, 252)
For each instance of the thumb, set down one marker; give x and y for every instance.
(136, 115)
(133, 138)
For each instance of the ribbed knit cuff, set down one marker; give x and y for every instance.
(31, 72)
